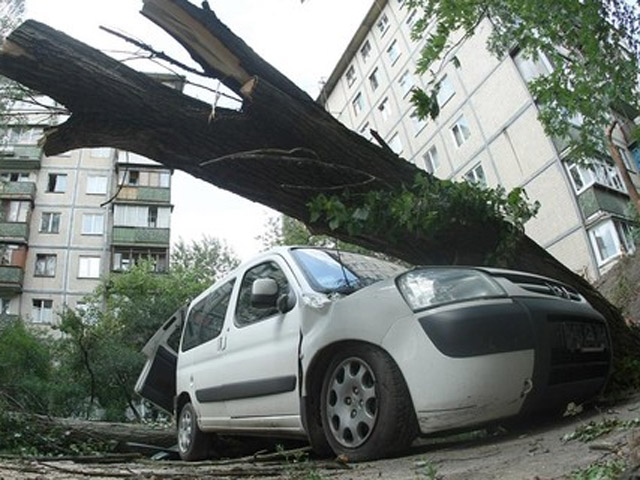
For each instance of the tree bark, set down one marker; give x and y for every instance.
(280, 149)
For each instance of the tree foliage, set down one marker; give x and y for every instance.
(593, 46)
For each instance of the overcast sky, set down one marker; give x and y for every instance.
(304, 41)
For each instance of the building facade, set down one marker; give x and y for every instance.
(487, 132)
(66, 221)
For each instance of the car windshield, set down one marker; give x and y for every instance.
(329, 271)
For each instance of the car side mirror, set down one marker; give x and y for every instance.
(264, 293)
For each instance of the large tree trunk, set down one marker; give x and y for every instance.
(280, 149)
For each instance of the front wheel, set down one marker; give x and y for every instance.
(366, 409)
(193, 443)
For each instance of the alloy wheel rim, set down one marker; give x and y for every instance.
(185, 430)
(352, 402)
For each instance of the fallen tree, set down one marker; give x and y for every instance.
(281, 148)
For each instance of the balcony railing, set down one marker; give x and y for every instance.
(11, 278)
(18, 190)
(141, 236)
(16, 231)
(144, 194)
(600, 199)
(20, 156)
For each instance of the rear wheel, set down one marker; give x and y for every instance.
(193, 443)
(366, 409)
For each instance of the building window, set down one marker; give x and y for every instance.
(476, 175)
(374, 80)
(406, 82)
(50, 222)
(460, 130)
(383, 24)
(4, 306)
(102, 152)
(411, 19)
(15, 211)
(42, 311)
(431, 160)
(92, 224)
(124, 259)
(141, 216)
(358, 104)
(626, 158)
(610, 239)
(57, 183)
(14, 177)
(530, 67)
(45, 265)
(89, 267)
(393, 52)
(445, 91)
(365, 51)
(164, 179)
(132, 177)
(351, 75)
(417, 122)
(385, 109)
(395, 143)
(597, 172)
(96, 185)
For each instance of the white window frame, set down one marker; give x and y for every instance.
(384, 107)
(446, 91)
(374, 79)
(460, 131)
(383, 24)
(431, 159)
(417, 122)
(89, 267)
(97, 184)
(406, 82)
(57, 183)
(395, 143)
(92, 224)
(474, 176)
(393, 52)
(529, 68)
(350, 75)
(617, 234)
(598, 172)
(358, 103)
(48, 220)
(45, 265)
(365, 51)
(41, 310)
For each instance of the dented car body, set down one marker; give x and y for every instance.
(360, 355)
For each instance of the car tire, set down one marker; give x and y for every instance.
(193, 443)
(366, 408)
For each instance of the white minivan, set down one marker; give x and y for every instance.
(360, 355)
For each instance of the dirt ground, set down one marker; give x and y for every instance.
(535, 451)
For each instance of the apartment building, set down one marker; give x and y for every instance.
(487, 132)
(66, 221)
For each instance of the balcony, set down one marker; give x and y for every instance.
(18, 190)
(141, 236)
(601, 199)
(11, 278)
(20, 157)
(144, 194)
(17, 232)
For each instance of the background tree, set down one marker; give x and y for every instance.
(592, 45)
(104, 338)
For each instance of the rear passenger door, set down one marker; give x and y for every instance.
(261, 354)
(202, 344)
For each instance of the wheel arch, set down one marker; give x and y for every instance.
(181, 401)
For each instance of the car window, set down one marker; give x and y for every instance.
(206, 318)
(245, 313)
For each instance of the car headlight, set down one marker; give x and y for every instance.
(429, 287)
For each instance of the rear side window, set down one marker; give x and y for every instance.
(245, 313)
(206, 318)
